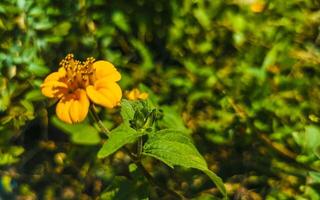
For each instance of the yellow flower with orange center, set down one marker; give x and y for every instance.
(77, 83)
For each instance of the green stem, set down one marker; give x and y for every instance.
(136, 159)
(139, 149)
(97, 119)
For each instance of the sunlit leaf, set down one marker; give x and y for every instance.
(127, 110)
(176, 148)
(119, 19)
(118, 137)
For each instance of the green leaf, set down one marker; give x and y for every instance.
(315, 176)
(218, 181)
(309, 140)
(146, 55)
(127, 110)
(312, 138)
(34, 95)
(81, 133)
(317, 151)
(62, 29)
(16, 150)
(118, 137)
(175, 148)
(38, 69)
(202, 17)
(120, 20)
(27, 105)
(6, 183)
(7, 159)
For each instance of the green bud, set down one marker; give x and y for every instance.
(138, 120)
(150, 119)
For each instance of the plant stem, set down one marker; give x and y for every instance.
(97, 119)
(136, 159)
(139, 149)
(280, 148)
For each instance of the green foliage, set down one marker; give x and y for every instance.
(239, 77)
(308, 139)
(174, 147)
(118, 137)
(11, 155)
(172, 120)
(81, 133)
(127, 111)
(122, 188)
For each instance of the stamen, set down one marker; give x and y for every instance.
(79, 74)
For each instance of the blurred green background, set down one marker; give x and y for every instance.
(242, 74)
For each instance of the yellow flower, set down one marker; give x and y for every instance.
(257, 7)
(135, 94)
(77, 83)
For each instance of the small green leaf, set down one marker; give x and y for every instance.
(7, 159)
(6, 183)
(62, 29)
(81, 133)
(146, 55)
(317, 151)
(127, 110)
(11, 156)
(202, 17)
(315, 176)
(174, 147)
(16, 150)
(34, 95)
(38, 69)
(309, 140)
(120, 20)
(43, 25)
(27, 105)
(118, 137)
(4, 102)
(312, 138)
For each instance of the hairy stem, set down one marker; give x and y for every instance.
(136, 159)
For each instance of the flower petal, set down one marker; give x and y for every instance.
(105, 69)
(62, 109)
(79, 106)
(56, 76)
(74, 107)
(112, 91)
(143, 96)
(54, 85)
(98, 98)
(54, 89)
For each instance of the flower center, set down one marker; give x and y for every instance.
(78, 74)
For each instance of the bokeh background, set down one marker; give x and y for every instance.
(243, 75)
